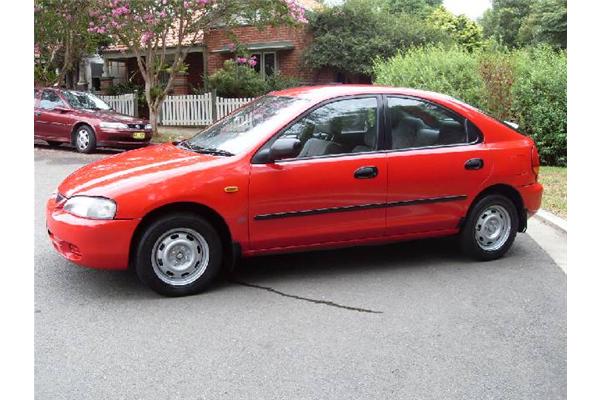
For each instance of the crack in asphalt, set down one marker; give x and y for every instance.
(315, 301)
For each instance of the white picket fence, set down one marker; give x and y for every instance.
(226, 106)
(124, 103)
(187, 110)
(183, 110)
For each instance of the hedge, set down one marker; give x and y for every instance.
(528, 86)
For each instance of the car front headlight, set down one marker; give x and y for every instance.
(113, 125)
(148, 127)
(91, 207)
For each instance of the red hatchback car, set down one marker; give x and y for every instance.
(85, 121)
(304, 168)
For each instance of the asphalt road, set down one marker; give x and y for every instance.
(406, 321)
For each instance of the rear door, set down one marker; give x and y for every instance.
(436, 165)
(50, 122)
(334, 190)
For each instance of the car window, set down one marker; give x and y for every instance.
(339, 127)
(243, 128)
(50, 100)
(415, 123)
(83, 100)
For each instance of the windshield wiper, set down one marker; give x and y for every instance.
(205, 150)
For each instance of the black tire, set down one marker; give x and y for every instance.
(150, 273)
(53, 143)
(88, 146)
(471, 239)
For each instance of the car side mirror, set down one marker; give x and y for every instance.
(284, 148)
(280, 149)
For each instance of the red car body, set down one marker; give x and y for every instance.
(299, 204)
(57, 122)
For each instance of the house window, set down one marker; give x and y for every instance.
(266, 63)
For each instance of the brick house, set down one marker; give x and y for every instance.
(277, 49)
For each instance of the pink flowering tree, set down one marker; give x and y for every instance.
(149, 27)
(61, 38)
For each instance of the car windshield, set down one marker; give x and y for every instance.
(83, 100)
(241, 130)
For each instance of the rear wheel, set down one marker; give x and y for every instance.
(85, 139)
(490, 228)
(178, 255)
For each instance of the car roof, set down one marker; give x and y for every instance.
(330, 91)
(317, 94)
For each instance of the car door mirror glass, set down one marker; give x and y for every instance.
(284, 148)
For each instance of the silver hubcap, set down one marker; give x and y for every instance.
(83, 139)
(492, 228)
(180, 256)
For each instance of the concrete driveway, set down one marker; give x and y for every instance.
(413, 320)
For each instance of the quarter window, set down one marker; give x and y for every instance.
(344, 126)
(415, 123)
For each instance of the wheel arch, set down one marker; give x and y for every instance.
(213, 217)
(512, 194)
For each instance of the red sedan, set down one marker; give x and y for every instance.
(304, 168)
(85, 121)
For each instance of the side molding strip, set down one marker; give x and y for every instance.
(317, 211)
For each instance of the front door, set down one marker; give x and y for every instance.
(333, 190)
(436, 166)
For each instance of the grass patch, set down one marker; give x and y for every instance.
(554, 199)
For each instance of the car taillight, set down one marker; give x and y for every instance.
(535, 161)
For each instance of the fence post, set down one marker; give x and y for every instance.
(136, 111)
(213, 102)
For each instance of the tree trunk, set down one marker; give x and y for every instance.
(154, 110)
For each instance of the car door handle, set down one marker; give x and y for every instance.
(365, 173)
(474, 163)
(38, 113)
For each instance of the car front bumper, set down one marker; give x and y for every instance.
(122, 138)
(102, 244)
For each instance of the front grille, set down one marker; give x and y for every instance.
(135, 126)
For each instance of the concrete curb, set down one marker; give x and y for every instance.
(552, 220)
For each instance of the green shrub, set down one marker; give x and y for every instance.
(452, 71)
(237, 80)
(279, 81)
(528, 86)
(540, 100)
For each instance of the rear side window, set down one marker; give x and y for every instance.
(415, 124)
(50, 100)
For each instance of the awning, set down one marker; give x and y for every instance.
(260, 46)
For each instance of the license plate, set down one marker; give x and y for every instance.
(139, 135)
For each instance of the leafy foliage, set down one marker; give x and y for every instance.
(463, 30)
(237, 80)
(518, 23)
(348, 37)
(61, 38)
(420, 8)
(547, 23)
(451, 71)
(540, 100)
(527, 85)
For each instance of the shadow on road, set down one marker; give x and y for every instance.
(442, 253)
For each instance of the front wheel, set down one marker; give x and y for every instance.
(490, 228)
(85, 139)
(178, 255)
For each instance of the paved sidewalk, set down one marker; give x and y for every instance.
(552, 240)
